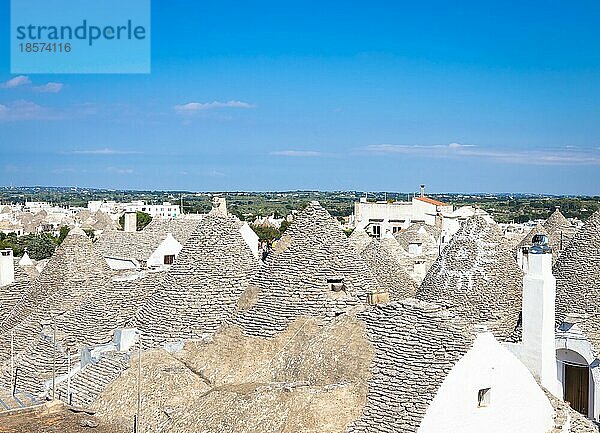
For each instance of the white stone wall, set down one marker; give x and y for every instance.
(517, 404)
(7, 267)
(168, 247)
(539, 294)
(250, 238)
(118, 264)
(423, 211)
(130, 222)
(398, 214)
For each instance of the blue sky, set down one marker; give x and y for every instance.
(371, 96)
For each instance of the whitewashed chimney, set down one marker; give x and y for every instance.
(7, 267)
(539, 294)
(219, 206)
(130, 224)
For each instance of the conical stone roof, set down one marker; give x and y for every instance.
(560, 231)
(477, 278)
(416, 345)
(528, 239)
(428, 238)
(556, 221)
(297, 278)
(387, 270)
(359, 239)
(180, 228)
(421, 233)
(577, 273)
(73, 272)
(203, 286)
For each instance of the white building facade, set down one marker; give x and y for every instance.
(115, 209)
(378, 218)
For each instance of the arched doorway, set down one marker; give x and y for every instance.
(577, 387)
(575, 380)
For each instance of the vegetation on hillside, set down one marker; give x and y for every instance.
(248, 205)
(37, 246)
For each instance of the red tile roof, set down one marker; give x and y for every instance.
(432, 201)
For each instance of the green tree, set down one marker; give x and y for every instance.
(266, 233)
(11, 241)
(64, 231)
(38, 247)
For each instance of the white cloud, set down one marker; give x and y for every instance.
(103, 151)
(67, 170)
(213, 173)
(568, 155)
(27, 110)
(49, 88)
(15, 82)
(118, 170)
(459, 146)
(194, 107)
(416, 148)
(296, 153)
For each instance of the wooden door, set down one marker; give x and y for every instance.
(577, 388)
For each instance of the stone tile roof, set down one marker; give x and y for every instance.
(410, 363)
(387, 270)
(295, 279)
(87, 384)
(140, 245)
(477, 277)
(203, 286)
(94, 220)
(560, 232)
(128, 245)
(73, 272)
(90, 323)
(180, 228)
(24, 273)
(428, 236)
(419, 232)
(110, 307)
(577, 273)
(11, 294)
(527, 241)
(359, 239)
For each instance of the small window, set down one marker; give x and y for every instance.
(336, 284)
(415, 248)
(169, 259)
(483, 397)
(376, 231)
